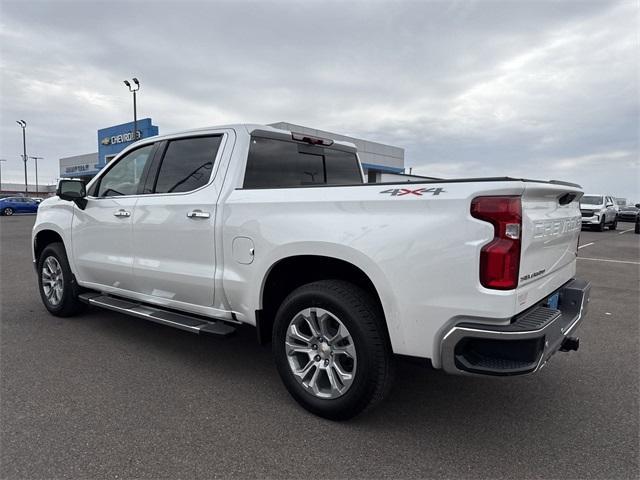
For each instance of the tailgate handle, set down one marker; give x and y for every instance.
(567, 198)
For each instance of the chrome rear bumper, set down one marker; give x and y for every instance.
(521, 347)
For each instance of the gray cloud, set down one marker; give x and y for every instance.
(537, 89)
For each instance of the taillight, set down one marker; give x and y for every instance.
(500, 258)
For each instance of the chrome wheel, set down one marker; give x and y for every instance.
(52, 280)
(321, 353)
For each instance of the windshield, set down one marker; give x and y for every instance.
(591, 200)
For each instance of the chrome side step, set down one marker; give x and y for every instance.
(158, 315)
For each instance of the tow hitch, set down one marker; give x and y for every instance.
(570, 343)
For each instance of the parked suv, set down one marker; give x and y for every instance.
(628, 213)
(599, 211)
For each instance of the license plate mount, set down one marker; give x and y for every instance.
(553, 301)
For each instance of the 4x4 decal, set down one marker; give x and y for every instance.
(399, 192)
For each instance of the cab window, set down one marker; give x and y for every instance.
(125, 176)
(187, 164)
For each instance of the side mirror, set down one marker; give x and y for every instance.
(637, 205)
(74, 191)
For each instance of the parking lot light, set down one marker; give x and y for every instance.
(23, 125)
(134, 90)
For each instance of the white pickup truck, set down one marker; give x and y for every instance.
(210, 229)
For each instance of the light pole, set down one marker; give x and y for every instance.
(1, 160)
(36, 159)
(134, 89)
(23, 125)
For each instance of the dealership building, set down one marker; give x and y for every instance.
(111, 141)
(381, 163)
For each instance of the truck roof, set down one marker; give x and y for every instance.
(249, 127)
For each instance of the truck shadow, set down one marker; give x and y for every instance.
(421, 396)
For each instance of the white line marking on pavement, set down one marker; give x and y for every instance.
(625, 231)
(607, 260)
(585, 245)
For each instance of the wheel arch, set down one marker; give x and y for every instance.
(290, 272)
(44, 237)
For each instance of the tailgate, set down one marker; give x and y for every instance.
(551, 224)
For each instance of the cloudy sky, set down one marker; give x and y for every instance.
(522, 88)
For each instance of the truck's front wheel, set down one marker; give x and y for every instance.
(331, 349)
(57, 286)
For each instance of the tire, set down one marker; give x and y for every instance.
(60, 293)
(600, 227)
(614, 225)
(335, 303)
(637, 229)
(7, 211)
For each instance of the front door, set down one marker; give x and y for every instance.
(173, 226)
(102, 232)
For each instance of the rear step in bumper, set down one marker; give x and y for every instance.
(165, 317)
(521, 347)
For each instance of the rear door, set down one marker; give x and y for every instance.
(173, 227)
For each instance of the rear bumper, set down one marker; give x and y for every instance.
(521, 347)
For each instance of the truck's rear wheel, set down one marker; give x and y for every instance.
(57, 287)
(614, 225)
(331, 349)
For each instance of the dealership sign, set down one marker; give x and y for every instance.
(77, 168)
(121, 138)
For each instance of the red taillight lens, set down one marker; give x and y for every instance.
(500, 258)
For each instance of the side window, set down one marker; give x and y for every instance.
(187, 164)
(277, 163)
(123, 178)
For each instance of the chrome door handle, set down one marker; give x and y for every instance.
(122, 213)
(198, 214)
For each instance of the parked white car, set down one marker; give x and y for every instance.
(245, 224)
(599, 211)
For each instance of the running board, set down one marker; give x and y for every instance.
(158, 315)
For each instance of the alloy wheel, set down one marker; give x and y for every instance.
(321, 353)
(52, 280)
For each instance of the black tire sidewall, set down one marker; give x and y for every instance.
(361, 390)
(69, 303)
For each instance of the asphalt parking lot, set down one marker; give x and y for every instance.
(103, 395)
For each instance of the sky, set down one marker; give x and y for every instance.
(536, 89)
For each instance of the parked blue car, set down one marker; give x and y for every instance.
(11, 205)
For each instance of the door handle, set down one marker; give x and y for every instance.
(198, 214)
(122, 213)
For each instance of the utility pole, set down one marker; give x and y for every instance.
(134, 89)
(23, 125)
(36, 159)
(1, 160)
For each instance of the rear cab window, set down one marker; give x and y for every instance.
(281, 163)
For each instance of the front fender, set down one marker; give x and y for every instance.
(57, 216)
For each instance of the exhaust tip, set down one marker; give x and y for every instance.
(570, 343)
